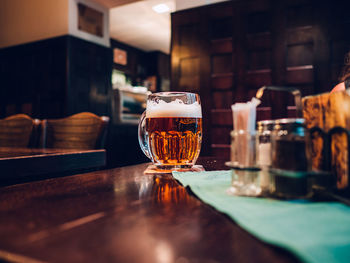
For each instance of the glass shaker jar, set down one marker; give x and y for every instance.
(290, 158)
(263, 143)
(288, 145)
(263, 152)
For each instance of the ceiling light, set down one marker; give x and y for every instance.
(161, 8)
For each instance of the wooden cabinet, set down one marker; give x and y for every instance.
(226, 51)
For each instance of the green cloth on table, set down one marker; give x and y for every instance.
(313, 231)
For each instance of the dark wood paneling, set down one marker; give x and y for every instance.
(300, 35)
(45, 78)
(221, 46)
(221, 135)
(255, 78)
(223, 82)
(221, 151)
(299, 75)
(190, 83)
(298, 55)
(259, 41)
(263, 113)
(221, 117)
(221, 64)
(189, 66)
(221, 28)
(189, 70)
(222, 99)
(259, 59)
(257, 22)
(34, 74)
(298, 43)
(299, 15)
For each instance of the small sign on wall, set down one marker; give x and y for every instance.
(90, 20)
(120, 56)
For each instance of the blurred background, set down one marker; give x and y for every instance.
(62, 57)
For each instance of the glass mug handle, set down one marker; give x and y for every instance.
(143, 135)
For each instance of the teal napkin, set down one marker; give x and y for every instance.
(313, 231)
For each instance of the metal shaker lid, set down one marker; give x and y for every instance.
(294, 125)
(266, 125)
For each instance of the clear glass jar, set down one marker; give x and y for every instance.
(288, 145)
(290, 159)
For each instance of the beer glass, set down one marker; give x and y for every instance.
(170, 129)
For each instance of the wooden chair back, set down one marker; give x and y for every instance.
(19, 130)
(80, 131)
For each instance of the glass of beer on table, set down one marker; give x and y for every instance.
(170, 130)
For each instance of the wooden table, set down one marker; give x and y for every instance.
(121, 215)
(29, 164)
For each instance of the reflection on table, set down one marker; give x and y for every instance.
(121, 215)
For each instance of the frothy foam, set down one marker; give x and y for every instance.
(173, 109)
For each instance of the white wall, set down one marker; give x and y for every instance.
(23, 21)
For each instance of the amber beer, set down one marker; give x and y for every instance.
(174, 140)
(174, 134)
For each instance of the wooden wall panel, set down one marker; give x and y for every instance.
(259, 40)
(221, 64)
(221, 45)
(221, 28)
(257, 22)
(221, 151)
(299, 75)
(299, 55)
(245, 44)
(221, 135)
(300, 35)
(190, 83)
(222, 82)
(222, 99)
(221, 117)
(187, 35)
(255, 78)
(189, 66)
(300, 14)
(259, 59)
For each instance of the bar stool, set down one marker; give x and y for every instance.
(79, 131)
(19, 130)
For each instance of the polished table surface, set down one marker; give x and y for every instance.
(121, 215)
(18, 165)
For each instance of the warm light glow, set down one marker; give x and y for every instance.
(161, 8)
(164, 252)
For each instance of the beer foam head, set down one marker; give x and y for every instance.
(175, 108)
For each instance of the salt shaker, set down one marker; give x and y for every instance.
(263, 144)
(263, 151)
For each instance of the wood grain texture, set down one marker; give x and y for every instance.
(80, 131)
(327, 111)
(17, 130)
(122, 215)
(246, 44)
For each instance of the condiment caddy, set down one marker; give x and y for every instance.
(282, 158)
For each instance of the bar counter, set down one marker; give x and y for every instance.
(121, 215)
